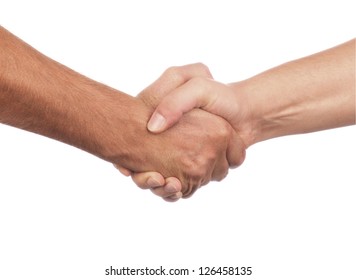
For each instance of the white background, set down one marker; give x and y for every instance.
(289, 211)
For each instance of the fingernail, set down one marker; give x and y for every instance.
(156, 123)
(171, 188)
(178, 195)
(151, 182)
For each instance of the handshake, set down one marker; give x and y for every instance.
(196, 132)
(198, 128)
(185, 129)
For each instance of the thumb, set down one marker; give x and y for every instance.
(196, 93)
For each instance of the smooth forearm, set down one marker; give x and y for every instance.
(306, 95)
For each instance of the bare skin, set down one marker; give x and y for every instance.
(42, 96)
(306, 95)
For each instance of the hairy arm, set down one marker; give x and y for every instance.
(42, 96)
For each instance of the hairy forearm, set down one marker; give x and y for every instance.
(40, 95)
(306, 95)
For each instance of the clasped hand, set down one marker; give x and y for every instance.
(203, 145)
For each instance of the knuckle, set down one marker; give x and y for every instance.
(237, 154)
(172, 70)
(195, 168)
(174, 73)
(204, 69)
(197, 173)
(239, 160)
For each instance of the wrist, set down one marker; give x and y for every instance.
(47, 98)
(116, 120)
(247, 121)
(306, 95)
(264, 113)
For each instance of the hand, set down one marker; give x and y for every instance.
(170, 188)
(280, 101)
(216, 98)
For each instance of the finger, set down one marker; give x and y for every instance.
(123, 170)
(172, 78)
(176, 76)
(161, 192)
(221, 169)
(174, 198)
(172, 186)
(148, 180)
(236, 151)
(196, 93)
